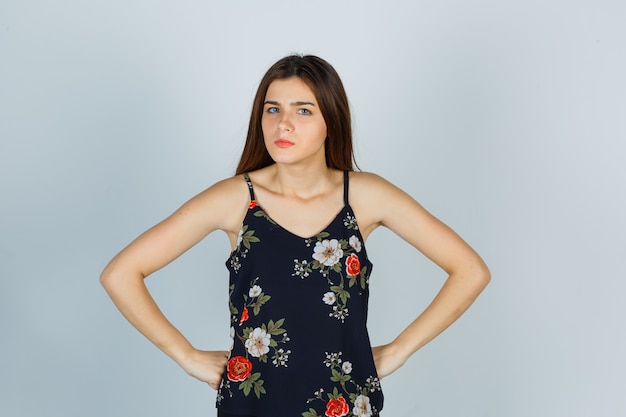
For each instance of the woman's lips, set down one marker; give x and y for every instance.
(283, 143)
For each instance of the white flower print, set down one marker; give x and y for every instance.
(362, 406)
(346, 367)
(332, 359)
(235, 264)
(255, 291)
(301, 269)
(329, 298)
(355, 243)
(281, 357)
(340, 313)
(258, 342)
(373, 383)
(350, 222)
(327, 252)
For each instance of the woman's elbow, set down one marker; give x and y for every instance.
(482, 275)
(112, 278)
(107, 279)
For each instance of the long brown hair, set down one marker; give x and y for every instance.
(328, 89)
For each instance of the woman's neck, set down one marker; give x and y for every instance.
(301, 182)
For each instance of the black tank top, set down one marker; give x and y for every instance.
(298, 315)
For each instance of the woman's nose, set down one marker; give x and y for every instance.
(285, 123)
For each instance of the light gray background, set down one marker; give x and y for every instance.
(505, 119)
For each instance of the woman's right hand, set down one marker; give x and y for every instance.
(207, 366)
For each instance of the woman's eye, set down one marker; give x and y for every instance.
(272, 109)
(304, 111)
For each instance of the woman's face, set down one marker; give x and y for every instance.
(293, 127)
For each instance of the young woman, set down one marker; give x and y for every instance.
(297, 216)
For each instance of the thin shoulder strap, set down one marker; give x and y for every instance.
(250, 188)
(345, 187)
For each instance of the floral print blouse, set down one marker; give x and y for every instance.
(298, 315)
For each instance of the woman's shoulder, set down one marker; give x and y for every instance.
(369, 181)
(223, 195)
(373, 194)
(221, 205)
(230, 187)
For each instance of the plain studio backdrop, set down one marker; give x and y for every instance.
(507, 120)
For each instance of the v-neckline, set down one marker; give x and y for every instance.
(270, 219)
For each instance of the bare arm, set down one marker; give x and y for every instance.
(220, 207)
(467, 273)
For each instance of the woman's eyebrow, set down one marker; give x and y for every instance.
(295, 103)
(302, 103)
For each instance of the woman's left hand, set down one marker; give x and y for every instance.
(387, 359)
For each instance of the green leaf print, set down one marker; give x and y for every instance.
(364, 277)
(352, 281)
(339, 377)
(231, 306)
(256, 306)
(310, 413)
(341, 293)
(258, 388)
(261, 213)
(247, 385)
(322, 235)
(274, 328)
(246, 333)
(248, 237)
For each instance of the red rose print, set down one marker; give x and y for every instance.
(239, 368)
(244, 315)
(353, 266)
(337, 407)
(253, 204)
